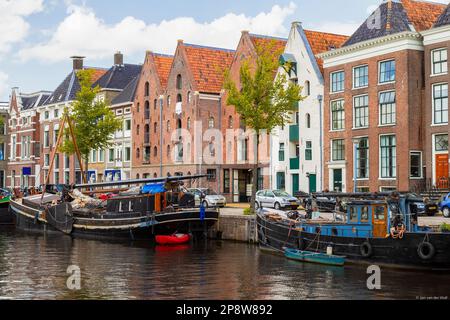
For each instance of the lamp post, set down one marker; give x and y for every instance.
(355, 168)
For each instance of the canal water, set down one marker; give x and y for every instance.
(35, 267)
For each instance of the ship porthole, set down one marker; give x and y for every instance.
(426, 251)
(366, 250)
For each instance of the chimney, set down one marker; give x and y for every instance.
(77, 62)
(118, 59)
(296, 24)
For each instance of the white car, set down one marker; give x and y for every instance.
(276, 199)
(211, 198)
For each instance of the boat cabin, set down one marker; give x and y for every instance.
(363, 219)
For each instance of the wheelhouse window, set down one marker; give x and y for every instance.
(362, 159)
(361, 77)
(361, 111)
(337, 81)
(388, 152)
(364, 214)
(338, 150)
(415, 164)
(439, 61)
(337, 115)
(379, 213)
(387, 71)
(387, 108)
(353, 214)
(440, 103)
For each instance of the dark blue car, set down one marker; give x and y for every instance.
(444, 206)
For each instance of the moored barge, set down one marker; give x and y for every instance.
(380, 232)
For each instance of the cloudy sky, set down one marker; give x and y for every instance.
(38, 36)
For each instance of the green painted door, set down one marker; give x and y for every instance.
(312, 183)
(295, 183)
(337, 180)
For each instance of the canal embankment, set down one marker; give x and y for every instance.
(234, 225)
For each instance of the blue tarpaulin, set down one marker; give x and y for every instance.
(153, 188)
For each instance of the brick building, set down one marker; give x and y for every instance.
(174, 137)
(4, 134)
(147, 115)
(24, 149)
(238, 151)
(66, 168)
(436, 157)
(374, 93)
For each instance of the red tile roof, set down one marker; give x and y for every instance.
(163, 64)
(423, 14)
(97, 74)
(208, 66)
(279, 44)
(323, 41)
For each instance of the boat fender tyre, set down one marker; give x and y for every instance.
(426, 251)
(366, 250)
(446, 212)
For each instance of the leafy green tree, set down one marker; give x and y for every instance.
(93, 121)
(263, 99)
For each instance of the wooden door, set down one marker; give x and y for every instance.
(442, 171)
(379, 221)
(312, 183)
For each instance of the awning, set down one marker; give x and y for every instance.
(153, 188)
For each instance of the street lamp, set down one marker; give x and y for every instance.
(355, 168)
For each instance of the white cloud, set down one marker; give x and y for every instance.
(4, 87)
(83, 32)
(14, 28)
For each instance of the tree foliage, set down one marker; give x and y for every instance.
(94, 122)
(262, 99)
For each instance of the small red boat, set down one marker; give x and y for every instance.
(174, 239)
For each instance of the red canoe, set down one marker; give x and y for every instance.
(173, 239)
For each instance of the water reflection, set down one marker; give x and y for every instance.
(34, 267)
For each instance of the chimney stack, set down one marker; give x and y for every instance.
(77, 62)
(118, 59)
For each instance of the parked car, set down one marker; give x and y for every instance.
(276, 199)
(444, 206)
(209, 196)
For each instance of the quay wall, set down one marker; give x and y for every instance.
(235, 227)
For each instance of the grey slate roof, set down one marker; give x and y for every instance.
(66, 91)
(385, 23)
(33, 101)
(128, 94)
(118, 77)
(444, 18)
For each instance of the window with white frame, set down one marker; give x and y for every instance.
(111, 155)
(440, 103)
(337, 81)
(362, 159)
(415, 164)
(439, 61)
(361, 76)
(338, 150)
(337, 115)
(46, 139)
(441, 142)
(388, 154)
(387, 71)
(387, 108)
(361, 111)
(127, 154)
(101, 155)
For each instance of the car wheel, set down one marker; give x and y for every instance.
(277, 206)
(256, 205)
(205, 204)
(446, 212)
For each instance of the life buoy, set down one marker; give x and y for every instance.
(426, 251)
(366, 250)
